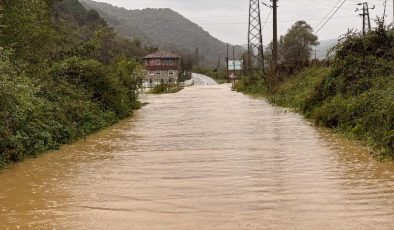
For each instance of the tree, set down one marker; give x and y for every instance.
(21, 34)
(196, 57)
(295, 48)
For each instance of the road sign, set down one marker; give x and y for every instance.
(235, 64)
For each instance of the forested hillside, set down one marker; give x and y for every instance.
(162, 28)
(64, 73)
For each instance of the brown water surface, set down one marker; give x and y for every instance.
(205, 158)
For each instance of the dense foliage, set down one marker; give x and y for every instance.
(63, 74)
(166, 88)
(294, 48)
(356, 95)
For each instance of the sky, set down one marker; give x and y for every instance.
(227, 20)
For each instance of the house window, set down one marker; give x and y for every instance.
(158, 73)
(171, 62)
(170, 72)
(157, 62)
(152, 61)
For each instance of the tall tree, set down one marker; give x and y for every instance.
(196, 57)
(295, 48)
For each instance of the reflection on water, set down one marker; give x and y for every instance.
(205, 158)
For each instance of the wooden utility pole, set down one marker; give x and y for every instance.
(275, 37)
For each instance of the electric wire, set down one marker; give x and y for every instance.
(317, 31)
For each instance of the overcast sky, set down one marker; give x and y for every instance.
(227, 20)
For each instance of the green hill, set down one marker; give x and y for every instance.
(163, 28)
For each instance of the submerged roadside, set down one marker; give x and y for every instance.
(351, 93)
(367, 117)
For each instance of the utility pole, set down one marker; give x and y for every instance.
(275, 36)
(227, 65)
(366, 16)
(384, 11)
(255, 40)
(218, 69)
(234, 60)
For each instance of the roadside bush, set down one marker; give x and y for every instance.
(115, 92)
(35, 118)
(357, 97)
(354, 96)
(295, 91)
(166, 88)
(62, 77)
(253, 85)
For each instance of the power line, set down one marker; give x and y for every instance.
(331, 16)
(266, 20)
(328, 14)
(279, 21)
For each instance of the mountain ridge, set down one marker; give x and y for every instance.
(163, 28)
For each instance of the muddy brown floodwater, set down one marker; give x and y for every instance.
(205, 158)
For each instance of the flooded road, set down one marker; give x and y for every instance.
(205, 158)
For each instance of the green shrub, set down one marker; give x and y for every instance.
(62, 77)
(295, 91)
(166, 88)
(357, 96)
(251, 85)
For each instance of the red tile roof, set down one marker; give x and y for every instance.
(162, 54)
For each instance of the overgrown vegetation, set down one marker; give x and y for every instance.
(295, 91)
(354, 96)
(63, 75)
(252, 86)
(166, 88)
(294, 49)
